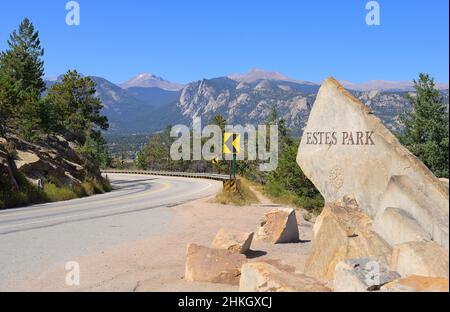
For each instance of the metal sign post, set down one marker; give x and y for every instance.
(232, 146)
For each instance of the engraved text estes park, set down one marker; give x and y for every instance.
(340, 138)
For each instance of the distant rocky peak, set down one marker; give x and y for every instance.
(148, 80)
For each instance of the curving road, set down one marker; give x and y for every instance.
(36, 237)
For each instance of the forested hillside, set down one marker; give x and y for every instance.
(51, 146)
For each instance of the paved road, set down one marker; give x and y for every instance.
(37, 237)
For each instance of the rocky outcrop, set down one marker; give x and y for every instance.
(234, 241)
(54, 159)
(279, 226)
(420, 258)
(265, 277)
(343, 231)
(205, 264)
(361, 275)
(416, 283)
(346, 150)
(48, 160)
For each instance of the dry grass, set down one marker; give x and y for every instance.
(244, 196)
(30, 194)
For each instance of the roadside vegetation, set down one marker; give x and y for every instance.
(244, 196)
(286, 185)
(30, 194)
(31, 112)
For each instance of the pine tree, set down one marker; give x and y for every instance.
(8, 100)
(95, 149)
(75, 108)
(22, 62)
(220, 121)
(426, 132)
(23, 67)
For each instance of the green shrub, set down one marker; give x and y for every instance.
(88, 188)
(276, 193)
(54, 193)
(13, 199)
(28, 194)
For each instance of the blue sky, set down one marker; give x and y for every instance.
(187, 40)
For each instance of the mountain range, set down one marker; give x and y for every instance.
(147, 80)
(148, 103)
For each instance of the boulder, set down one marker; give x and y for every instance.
(25, 158)
(343, 232)
(279, 226)
(420, 258)
(265, 277)
(416, 283)
(346, 150)
(220, 266)
(234, 241)
(397, 226)
(361, 275)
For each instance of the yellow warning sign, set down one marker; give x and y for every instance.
(232, 143)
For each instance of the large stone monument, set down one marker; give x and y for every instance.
(346, 150)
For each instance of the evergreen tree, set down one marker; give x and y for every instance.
(8, 100)
(155, 153)
(95, 148)
(22, 62)
(220, 121)
(288, 178)
(141, 162)
(75, 108)
(426, 132)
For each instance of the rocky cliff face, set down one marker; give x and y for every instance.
(251, 102)
(242, 103)
(52, 159)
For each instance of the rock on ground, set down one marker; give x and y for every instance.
(265, 277)
(342, 231)
(416, 283)
(361, 275)
(279, 226)
(220, 266)
(346, 150)
(232, 240)
(420, 258)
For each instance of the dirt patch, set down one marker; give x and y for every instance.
(157, 263)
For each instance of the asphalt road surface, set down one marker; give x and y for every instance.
(37, 237)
